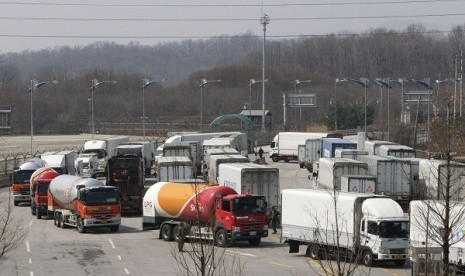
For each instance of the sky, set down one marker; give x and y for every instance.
(38, 24)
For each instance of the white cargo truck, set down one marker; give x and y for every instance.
(400, 151)
(171, 168)
(89, 164)
(372, 146)
(285, 144)
(105, 149)
(216, 160)
(311, 154)
(61, 161)
(330, 171)
(251, 178)
(434, 173)
(364, 184)
(190, 149)
(371, 227)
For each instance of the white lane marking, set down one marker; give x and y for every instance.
(240, 253)
(112, 244)
(126, 270)
(30, 223)
(30, 261)
(119, 257)
(273, 263)
(28, 249)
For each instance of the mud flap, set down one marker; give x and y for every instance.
(294, 246)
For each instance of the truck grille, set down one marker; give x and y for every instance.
(25, 191)
(397, 251)
(251, 226)
(103, 214)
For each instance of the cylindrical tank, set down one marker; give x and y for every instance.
(64, 188)
(29, 165)
(45, 174)
(178, 200)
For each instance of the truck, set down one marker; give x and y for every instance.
(105, 149)
(189, 149)
(20, 180)
(174, 167)
(236, 141)
(426, 220)
(285, 144)
(83, 203)
(364, 184)
(251, 178)
(40, 181)
(211, 212)
(126, 172)
(433, 175)
(400, 151)
(372, 146)
(89, 164)
(309, 152)
(372, 228)
(143, 149)
(61, 161)
(330, 171)
(216, 160)
(329, 146)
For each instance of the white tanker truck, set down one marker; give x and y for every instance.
(83, 203)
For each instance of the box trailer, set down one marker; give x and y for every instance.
(312, 152)
(349, 153)
(285, 144)
(330, 171)
(372, 146)
(216, 160)
(435, 173)
(364, 184)
(329, 146)
(174, 167)
(400, 151)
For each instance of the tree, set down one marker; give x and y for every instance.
(12, 232)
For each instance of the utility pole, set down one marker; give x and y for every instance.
(265, 20)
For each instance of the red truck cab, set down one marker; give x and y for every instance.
(39, 187)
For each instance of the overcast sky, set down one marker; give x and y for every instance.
(38, 24)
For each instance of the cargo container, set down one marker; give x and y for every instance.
(330, 171)
(329, 145)
(312, 152)
(61, 161)
(216, 160)
(372, 146)
(400, 151)
(349, 153)
(364, 184)
(174, 167)
(434, 174)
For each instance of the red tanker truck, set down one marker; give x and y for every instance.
(83, 203)
(217, 212)
(40, 180)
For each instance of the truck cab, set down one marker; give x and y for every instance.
(40, 181)
(20, 181)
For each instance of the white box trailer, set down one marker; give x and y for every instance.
(216, 160)
(251, 178)
(62, 162)
(89, 164)
(312, 152)
(434, 173)
(190, 149)
(372, 146)
(392, 176)
(104, 148)
(330, 171)
(349, 153)
(173, 168)
(371, 225)
(414, 173)
(364, 184)
(400, 151)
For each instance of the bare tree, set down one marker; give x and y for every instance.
(12, 232)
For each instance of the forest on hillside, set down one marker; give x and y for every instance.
(414, 53)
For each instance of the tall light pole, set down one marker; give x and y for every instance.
(92, 88)
(203, 83)
(438, 82)
(145, 84)
(265, 20)
(427, 84)
(251, 83)
(364, 83)
(35, 84)
(336, 81)
(296, 84)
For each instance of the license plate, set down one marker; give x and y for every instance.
(253, 233)
(398, 257)
(103, 221)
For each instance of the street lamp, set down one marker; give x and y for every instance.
(427, 84)
(35, 84)
(92, 88)
(203, 83)
(265, 20)
(251, 83)
(336, 81)
(297, 83)
(145, 84)
(364, 83)
(438, 82)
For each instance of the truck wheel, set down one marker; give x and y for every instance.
(400, 263)
(221, 238)
(55, 219)
(254, 241)
(286, 160)
(167, 232)
(114, 228)
(176, 236)
(80, 226)
(16, 203)
(38, 213)
(61, 219)
(314, 251)
(367, 258)
(275, 159)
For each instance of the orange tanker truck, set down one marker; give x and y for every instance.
(83, 203)
(215, 212)
(20, 180)
(40, 180)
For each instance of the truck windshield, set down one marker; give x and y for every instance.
(22, 176)
(42, 188)
(130, 151)
(393, 229)
(100, 152)
(249, 205)
(100, 196)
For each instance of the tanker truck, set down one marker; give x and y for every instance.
(20, 180)
(40, 180)
(209, 211)
(83, 203)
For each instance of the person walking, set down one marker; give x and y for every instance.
(274, 218)
(260, 153)
(181, 237)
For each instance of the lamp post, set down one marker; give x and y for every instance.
(364, 83)
(296, 84)
(427, 84)
(203, 83)
(336, 81)
(265, 20)
(145, 84)
(251, 83)
(92, 88)
(35, 84)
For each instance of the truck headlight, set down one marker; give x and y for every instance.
(384, 250)
(236, 229)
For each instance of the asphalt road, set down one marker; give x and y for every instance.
(48, 250)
